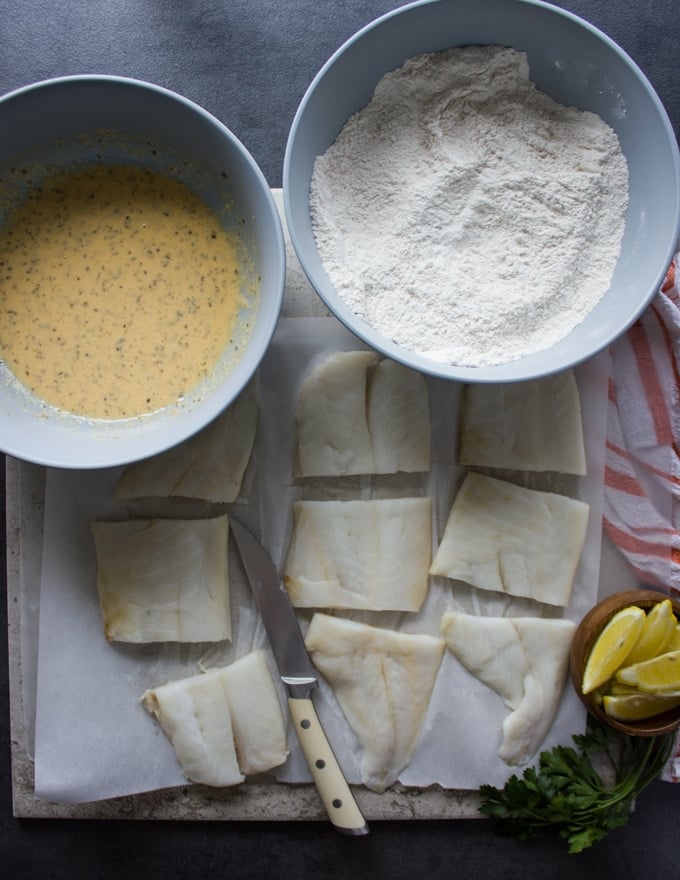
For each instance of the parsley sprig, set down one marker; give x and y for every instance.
(581, 793)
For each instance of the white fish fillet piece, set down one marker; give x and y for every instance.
(398, 419)
(356, 415)
(256, 717)
(219, 736)
(509, 539)
(532, 426)
(208, 466)
(163, 580)
(360, 554)
(383, 682)
(523, 659)
(194, 715)
(332, 431)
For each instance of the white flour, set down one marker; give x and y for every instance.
(465, 214)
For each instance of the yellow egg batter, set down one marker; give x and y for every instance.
(119, 291)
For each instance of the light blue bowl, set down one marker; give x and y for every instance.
(575, 64)
(80, 119)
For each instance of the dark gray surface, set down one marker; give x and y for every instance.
(249, 63)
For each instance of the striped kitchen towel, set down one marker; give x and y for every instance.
(642, 472)
(642, 469)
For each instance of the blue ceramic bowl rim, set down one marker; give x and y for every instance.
(387, 347)
(99, 447)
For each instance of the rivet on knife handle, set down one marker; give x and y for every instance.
(332, 786)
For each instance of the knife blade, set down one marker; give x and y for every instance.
(300, 680)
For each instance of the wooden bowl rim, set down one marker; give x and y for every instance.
(584, 637)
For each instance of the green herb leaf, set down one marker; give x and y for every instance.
(566, 794)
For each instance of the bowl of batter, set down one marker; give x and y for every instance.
(143, 270)
(485, 190)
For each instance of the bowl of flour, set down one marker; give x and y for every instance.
(485, 190)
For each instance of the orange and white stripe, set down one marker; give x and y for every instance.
(642, 475)
(642, 470)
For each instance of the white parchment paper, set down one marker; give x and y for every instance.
(93, 738)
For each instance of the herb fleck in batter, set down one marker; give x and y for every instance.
(119, 291)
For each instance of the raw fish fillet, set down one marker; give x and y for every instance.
(357, 416)
(219, 734)
(256, 717)
(524, 659)
(332, 431)
(163, 580)
(514, 540)
(208, 466)
(194, 715)
(383, 682)
(398, 419)
(360, 554)
(531, 426)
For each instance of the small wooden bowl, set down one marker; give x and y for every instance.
(584, 638)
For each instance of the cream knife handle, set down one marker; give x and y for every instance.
(335, 793)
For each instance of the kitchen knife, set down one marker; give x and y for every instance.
(299, 678)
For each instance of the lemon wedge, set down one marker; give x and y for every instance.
(674, 641)
(655, 676)
(617, 689)
(635, 707)
(612, 647)
(656, 633)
